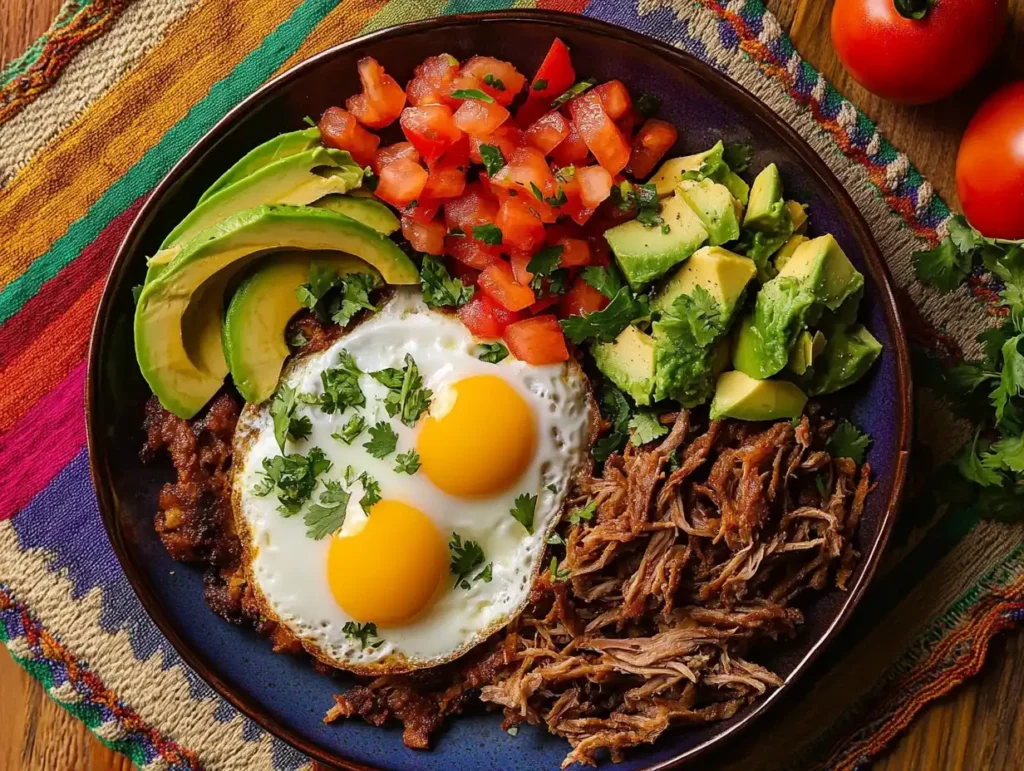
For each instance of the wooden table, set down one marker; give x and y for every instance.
(978, 727)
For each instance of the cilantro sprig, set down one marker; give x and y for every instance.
(286, 424)
(646, 428)
(406, 396)
(440, 290)
(848, 441)
(328, 515)
(492, 353)
(606, 324)
(466, 557)
(383, 440)
(366, 634)
(294, 477)
(341, 385)
(523, 510)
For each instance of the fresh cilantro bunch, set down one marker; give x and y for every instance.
(605, 325)
(686, 337)
(334, 297)
(989, 390)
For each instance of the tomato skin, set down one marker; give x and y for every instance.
(431, 80)
(599, 132)
(537, 340)
(506, 138)
(595, 185)
(548, 131)
(581, 298)
(401, 182)
(615, 98)
(990, 165)
(479, 67)
(479, 118)
(382, 98)
(471, 252)
(474, 207)
(500, 285)
(556, 74)
(652, 141)
(916, 61)
(340, 130)
(575, 252)
(520, 228)
(485, 318)
(385, 155)
(570, 150)
(431, 130)
(520, 259)
(424, 237)
(447, 177)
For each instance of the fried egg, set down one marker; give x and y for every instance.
(493, 433)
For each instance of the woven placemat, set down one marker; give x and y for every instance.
(100, 108)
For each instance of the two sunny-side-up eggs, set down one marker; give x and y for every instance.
(493, 433)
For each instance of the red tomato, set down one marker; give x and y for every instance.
(629, 121)
(614, 98)
(500, 285)
(553, 77)
(431, 130)
(400, 182)
(527, 167)
(537, 340)
(424, 237)
(506, 138)
(393, 152)
(425, 210)
(575, 252)
(499, 79)
(543, 304)
(570, 150)
(485, 318)
(548, 131)
(462, 271)
(595, 185)
(520, 227)
(581, 298)
(573, 207)
(432, 79)
(602, 137)
(479, 118)
(990, 165)
(652, 141)
(447, 177)
(471, 252)
(382, 99)
(916, 60)
(340, 130)
(473, 207)
(520, 259)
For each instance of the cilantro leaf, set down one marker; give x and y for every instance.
(282, 407)
(945, 267)
(523, 510)
(328, 515)
(294, 477)
(539, 84)
(492, 353)
(322, 279)
(605, 325)
(472, 93)
(557, 573)
(406, 395)
(466, 557)
(355, 296)
(848, 441)
(383, 440)
(556, 540)
(440, 290)
(486, 574)
(371, 491)
(573, 91)
(494, 159)
(605, 280)
(614, 409)
(341, 385)
(647, 105)
(365, 633)
(738, 155)
(1007, 453)
(646, 428)
(544, 262)
(1011, 381)
(351, 430)
(973, 469)
(494, 82)
(407, 462)
(487, 234)
(585, 513)
(299, 428)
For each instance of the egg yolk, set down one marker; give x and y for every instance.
(483, 443)
(389, 571)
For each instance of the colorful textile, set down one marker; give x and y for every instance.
(110, 99)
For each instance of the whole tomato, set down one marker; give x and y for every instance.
(916, 51)
(990, 165)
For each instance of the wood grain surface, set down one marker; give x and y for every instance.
(979, 727)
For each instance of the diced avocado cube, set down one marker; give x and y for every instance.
(671, 172)
(848, 355)
(766, 211)
(745, 398)
(646, 253)
(628, 362)
(821, 265)
(716, 207)
(722, 273)
(782, 256)
(797, 215)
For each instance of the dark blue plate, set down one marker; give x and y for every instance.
(284, 694)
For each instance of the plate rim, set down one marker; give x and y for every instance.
(724, 88)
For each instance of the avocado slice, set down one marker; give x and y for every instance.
(818, 276)
(766, 211)
(847, 357)
(722, 273)
(645, 253)
(165, 345)
(709, 163)
(369, 211)
(279, 147)
(297, 179)
(716, 207)
(744, 398)
(628, 362)
(259, 312)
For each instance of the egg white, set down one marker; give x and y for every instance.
(287, 570)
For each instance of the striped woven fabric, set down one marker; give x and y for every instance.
(98, 110)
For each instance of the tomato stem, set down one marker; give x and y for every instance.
(913, 9)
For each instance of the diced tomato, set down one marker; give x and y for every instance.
(600, 252)
(500, 285)
(506, 138)
(520, 227)
(393, 152)
(520, 259)
(499, 79)
(573, 206)
(424, 211)
(447, 177)
(342, 131)
(570, 150)
(543, 304)
(382, 99)
(602, 137)
(554, 76)
(548, 131)
(581, 298)
(595, 185)
(485, 318)
(654, 139)
(471, 252)
(431, 80)
(527, 168)
(431, 129)
(628, 122)
(575, 252)
(537, 340)
(474, 207)
(479, 118)
(401, 182)
(424, 237)
(463, 272)
(614, 98)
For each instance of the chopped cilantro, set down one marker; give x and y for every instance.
(407, 462)
(365, 633)
(472, 93)
(351, 430)
(341, 385)
(487, 234)
(822, 485)
(647, 105)
(523, 510)
(466, 557)
(297, 339)
(605, 280)
(585, 513)
(371, 491)
(493, 158)
(557, 573)
(494, 82)
(544, 262)
(605, 325)
(383, 440)
(573, 91)
(440, 290)
(553, 489)
(646, 428)
(556, 540)
(406, 397)
(492, 353)
(485, 575)
(328, 515)
(848, 441)
(615, 410)
(282, 411)
(738, 155)
(566, 174)
(294, 477)
(355, 296)
(370, 179)
(539, 84)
